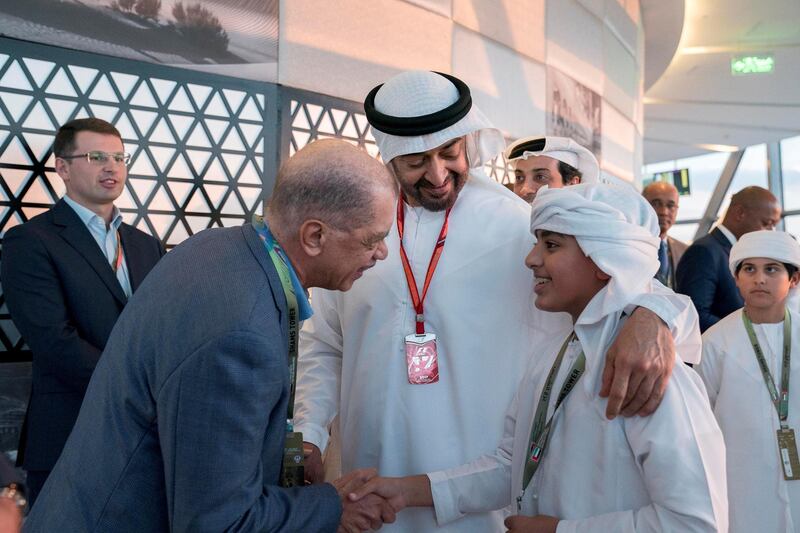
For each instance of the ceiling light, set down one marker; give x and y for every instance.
(718, 147)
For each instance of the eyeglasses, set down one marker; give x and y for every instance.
(101, 158)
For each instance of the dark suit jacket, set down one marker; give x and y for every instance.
(185, 418)
(703, 275)
(64, 298)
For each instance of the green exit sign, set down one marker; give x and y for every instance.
(761, 64)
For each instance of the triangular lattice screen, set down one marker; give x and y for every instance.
(198, 142)
(321, 117)
(316, 117)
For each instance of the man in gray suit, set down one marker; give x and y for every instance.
(663, 197)
(184, 421)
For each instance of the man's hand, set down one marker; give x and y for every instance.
(531, 524)
(312, 464)
(399, 492)
(369, 513)
(10, 516)
(638, 366)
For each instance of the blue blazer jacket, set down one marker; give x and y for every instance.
(183, 424)
(64, 298)
(703, 275)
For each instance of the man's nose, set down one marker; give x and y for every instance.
(437, 171)
(382, 251)
(528, 187)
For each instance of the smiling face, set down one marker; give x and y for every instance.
(764, 283)
(94, 185)
(348, 254)
(434, 178)
(565, 279)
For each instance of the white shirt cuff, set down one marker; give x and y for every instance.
(445, 502)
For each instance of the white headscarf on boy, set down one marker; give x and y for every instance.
(777, 245)
(615, 227)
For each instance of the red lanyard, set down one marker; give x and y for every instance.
(412, 284)
(118, 257)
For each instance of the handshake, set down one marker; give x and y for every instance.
(369, 501)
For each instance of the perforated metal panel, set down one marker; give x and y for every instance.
(314, 116)
(201, 144)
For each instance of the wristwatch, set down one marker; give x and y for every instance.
(14, 493)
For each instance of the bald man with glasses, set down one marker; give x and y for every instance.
(67, 274)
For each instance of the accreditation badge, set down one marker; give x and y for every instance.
(788, 450)
(293, 473)
(422, 359)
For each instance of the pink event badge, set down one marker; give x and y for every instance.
(422, 359)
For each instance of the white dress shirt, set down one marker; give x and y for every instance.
(106, 238)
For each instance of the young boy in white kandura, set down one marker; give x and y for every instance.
(561, 463)
(749, 361)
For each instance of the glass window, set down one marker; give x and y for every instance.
(683, 232)
(793, 225)
(752, 171)
(790, 161)
(704, 172)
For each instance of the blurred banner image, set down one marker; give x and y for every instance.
(573, 110)
(230, 37)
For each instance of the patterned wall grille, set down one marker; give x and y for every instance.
(200, 148)
(315, 116)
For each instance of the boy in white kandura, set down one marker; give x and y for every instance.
(746, 356)
(563, 464)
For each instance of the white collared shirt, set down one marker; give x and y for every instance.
(106, 238)
(730, 236)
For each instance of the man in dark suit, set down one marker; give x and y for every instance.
(703, 273)
(663, 197)
(184, 421)
(67, 274)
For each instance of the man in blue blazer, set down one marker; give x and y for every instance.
(67, 275)
(703, 273)
(184, 421)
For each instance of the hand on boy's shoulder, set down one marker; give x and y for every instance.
(638, 366)
(532, 524)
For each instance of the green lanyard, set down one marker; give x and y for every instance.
(781, 402)
(540, 431)
(291, 303)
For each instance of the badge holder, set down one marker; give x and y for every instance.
(422, 359)
(788, 450)
(293, 471)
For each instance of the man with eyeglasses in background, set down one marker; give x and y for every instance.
(663, 197)
(67, 274)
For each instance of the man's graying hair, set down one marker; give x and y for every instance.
(331, 181)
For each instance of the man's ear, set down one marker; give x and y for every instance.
(794, 279)
(313, 235)
(62, 169)
(575, 180)
(740, 212)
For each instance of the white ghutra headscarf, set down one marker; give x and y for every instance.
(615, 227)
(776, 245)
(418, 93)
(561, 149)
